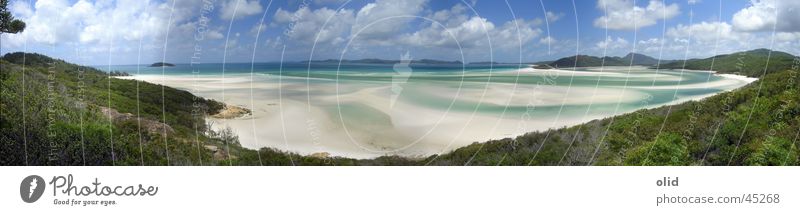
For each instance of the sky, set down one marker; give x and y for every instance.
(112, 32)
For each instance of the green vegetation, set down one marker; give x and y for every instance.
(751, 63)
(772, 152)
(7, 22)
(640, 59)
(669, 149)
(585, 61)
(56, 113)
(592, 61)
(64, 117)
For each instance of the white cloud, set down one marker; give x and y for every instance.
(547, 40)
(452, 17)
(473, 29)
(214, 35)
(258, 28)
(58, 21)
(552, 17)
(704, 31)
(306, 26)
(611, 44)
(329, 2)
(21, 8)
(711, 38)
(652, 45)
(100, 27)
(245, 8)
(787, 37)
(765, 15)
(759, 16)
(475, 34)
(624, 15)
(468, 34)
(456, 29)
(666, 48)
(514, 34)
(452, 27)
(650, 42)
(384, 18)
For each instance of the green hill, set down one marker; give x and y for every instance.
(62, 113)
(640, 59)
(592, 61)
(751, 63)
(585, 61)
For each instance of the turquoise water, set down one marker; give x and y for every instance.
(367, 110)
(466, 77)
(297, 68)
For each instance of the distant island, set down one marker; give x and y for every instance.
(592, 61)
(162, 64)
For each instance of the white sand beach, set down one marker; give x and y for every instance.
(360, 120)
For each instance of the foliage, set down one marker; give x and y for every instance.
(753, 63)
(586, 61)
(51, 115)
(774, 151)
(589, 61)
(7, 22)
(668, 149)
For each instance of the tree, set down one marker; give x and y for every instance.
(7, 22)
(668, 150)
(774, 151)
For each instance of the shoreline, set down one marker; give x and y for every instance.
(231, 112)
(278, 119)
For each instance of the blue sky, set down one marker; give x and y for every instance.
(131, 31)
